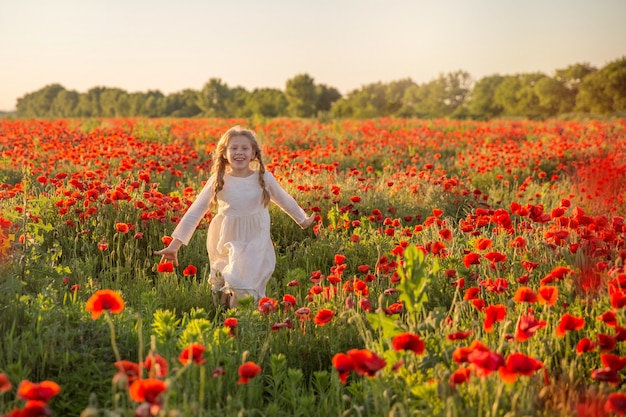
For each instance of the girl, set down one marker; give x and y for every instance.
(241, 252)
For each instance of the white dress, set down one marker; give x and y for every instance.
(240, 248)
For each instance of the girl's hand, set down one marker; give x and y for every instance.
(170, 254)
(308, 221)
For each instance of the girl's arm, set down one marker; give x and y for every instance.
(286, 202)
(196, 211)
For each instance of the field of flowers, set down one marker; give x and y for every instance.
(454, 269)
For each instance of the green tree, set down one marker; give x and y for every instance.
(301, 95)
(604, 91)
(444, 96)
(65, 104)
(481, 103)
(213, 98)
(326, 96)
(39, 103)
(266, 102)
(182, 104)
(113, 103)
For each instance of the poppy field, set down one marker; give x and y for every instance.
(454, 268)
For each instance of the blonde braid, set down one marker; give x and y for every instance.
(265, 199)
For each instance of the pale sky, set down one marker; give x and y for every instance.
(167, 45)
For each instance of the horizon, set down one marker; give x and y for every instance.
(140, 45)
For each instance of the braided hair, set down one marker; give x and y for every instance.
(220, 162)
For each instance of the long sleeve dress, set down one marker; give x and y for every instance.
(239, 244)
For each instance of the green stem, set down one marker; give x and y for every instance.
(113, 342)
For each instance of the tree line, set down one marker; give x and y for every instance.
(579, 88)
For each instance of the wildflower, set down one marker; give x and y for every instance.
(127, 372)
(231, 323)
(122, 227)
(605, 342)
(615, 362)
(569, 322)
(366, 362)
(547, 295)
(289, 301)
(365, 304)
(471, 258)
(395, 308)
(344, 365)
(606, 375)
(493, 314)
(267, 305)
(285, 324)
(189, 270)
(525, 294)
(156, 365)
(518, 364)
(460, 335)
(41, 391)
(165, 267)
(247, 371)
(483, 243)
(408, 341)
(527, 326)
(147, 390)
(616, 402)
(323, 317)
(103, 245)
(103, 300)
(460, 376)
(585, 345)
(194, 352)
(485, 361)
(355, 199)
(303, 313)
(609, 318)
(5, 383)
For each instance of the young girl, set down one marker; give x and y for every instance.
(241, 252)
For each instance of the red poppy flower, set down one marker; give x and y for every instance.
(618, 299)
(471, 258)
(344, 365)
(289, 301)
(122, 227)
(518, 364)
(446, 234)
(518, 242)
(485, 361)
(366, 362)
(148, 390)
(460, 335)
(605, 342)
(609, 318)
(363, 268)
(41, 391)
(525, 295)
(165, 267)
(493, 313)
(267, 305)
(471, 293)
(408, 341)
(355, 199)
(547, 295)
(189, 270)
(616, 403)
(231, 323)
(606, 375)
(495, 257)
(127, 370)
(156, 365)
(585, 345)
(527, 326)
(569, 322)
(395, 308)
(194, 352)
(339, 259)
(102, 300)
(303, 313)
(166, 240)
(460, 376)
(247, 371)
(5, 383)
(483, 243)
(323, 317)
(615, 362)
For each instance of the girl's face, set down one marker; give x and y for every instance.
(239, 154)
